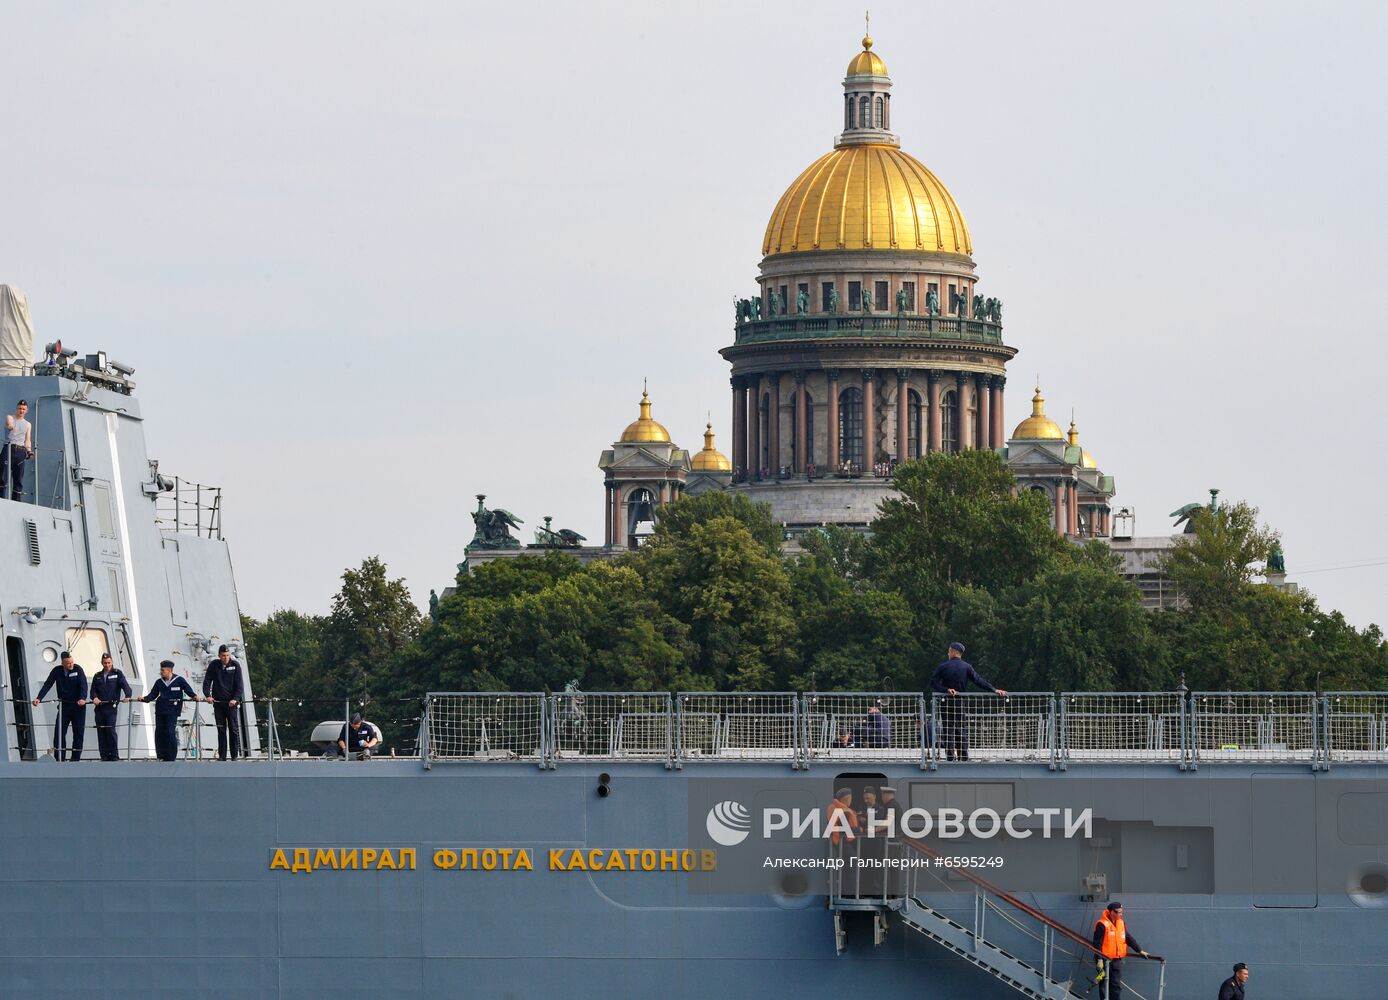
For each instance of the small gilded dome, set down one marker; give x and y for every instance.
(644, 428)
(1072, 437)
(710, 459)
(867, 197)
(1038, 426)
(867, 62)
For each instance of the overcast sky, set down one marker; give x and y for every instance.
(370, 260)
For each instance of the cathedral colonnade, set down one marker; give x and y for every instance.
(858, 420)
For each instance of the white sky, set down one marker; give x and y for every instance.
(371, 260)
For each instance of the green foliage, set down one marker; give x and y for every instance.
(1218, 557)
(732, 592)
(372, 619)
(675, 520)
(593, 624)
(957, 524)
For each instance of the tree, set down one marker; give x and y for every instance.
(279, 646)
(732, 591)
(593, 624)
(1218, 556)
(372, 619)
(676, 519)
(955, 524)
(850, 638)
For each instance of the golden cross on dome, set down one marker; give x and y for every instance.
(867, 29)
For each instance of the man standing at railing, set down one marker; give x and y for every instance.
(167, 694)
(952, 678)
(71, 681)
(16, 448)
(1111, 938)
(109, 689)
(222, 685)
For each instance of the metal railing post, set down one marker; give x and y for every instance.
(424, 749)
(923, 712)
(1055, 726)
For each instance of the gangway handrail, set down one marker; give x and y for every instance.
(1006, 897)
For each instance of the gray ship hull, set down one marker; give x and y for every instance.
(141, 879)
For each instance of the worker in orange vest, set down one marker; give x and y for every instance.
(1112, 940)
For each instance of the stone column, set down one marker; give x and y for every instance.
(933, 419)
(985, 415)
(607, 510)
(869, 420)
(739, 428)
(1074, 509)
(754, 438)
(832, 374)
(965, 422)
(773, 426)
(1059, 507)
(800, 423)
(903, 414)
(999, 425)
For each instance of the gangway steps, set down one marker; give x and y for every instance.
(1006, 968)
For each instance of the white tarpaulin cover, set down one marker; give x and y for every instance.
(16, 333)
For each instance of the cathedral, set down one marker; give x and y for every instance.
(869, 341)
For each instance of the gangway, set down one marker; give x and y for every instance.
(1064, 971)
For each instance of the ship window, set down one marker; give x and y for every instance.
(113, 579)
(878, 119)
(879, 297)
(855, 295)
(87, 646)
(851, 428)
(101, 500)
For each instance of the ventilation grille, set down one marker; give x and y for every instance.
(31, 530)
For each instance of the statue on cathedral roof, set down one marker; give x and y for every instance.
(867, 300)
(1277, 563)
(901, 300)
(802, 302)
(932, 302)
(564, 538)
(777, 306)
(833, 301)
(493, 527)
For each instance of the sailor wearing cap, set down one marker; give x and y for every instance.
(358, 739)
(167, 694)
(71, 682)
(953, 678)
(222, 685)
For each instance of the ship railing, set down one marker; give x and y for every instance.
(1020, 726)
(864, 726)
(714, 726)
(189, 508)
(1254, 726)
(1354, 727)
(612, 725)
(45, 477)
(308, 728)
(1116, 727)
(480, 727)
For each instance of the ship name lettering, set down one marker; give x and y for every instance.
(446, 859)
(302, 863)
(469, 858)
(325, 858)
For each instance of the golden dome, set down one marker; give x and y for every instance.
(870, 196)
(710, 459)
(644, 428)
(1072, 437)
(867, 62)
(1038, 426)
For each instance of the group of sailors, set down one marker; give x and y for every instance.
(223, 686)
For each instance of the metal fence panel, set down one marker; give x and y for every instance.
(987, 727)
(1355, 726)
(844, 726)
(718, 726)
(487, 726)
(1258, 725)
(1122, 726)
(611, 726)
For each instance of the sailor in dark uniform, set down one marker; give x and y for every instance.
(222, 685)
(71, 681)
(167, 694)
(109, 689)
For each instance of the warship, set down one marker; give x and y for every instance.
(588, 844)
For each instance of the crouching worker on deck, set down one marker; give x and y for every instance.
(358, 740)
(167, 694)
